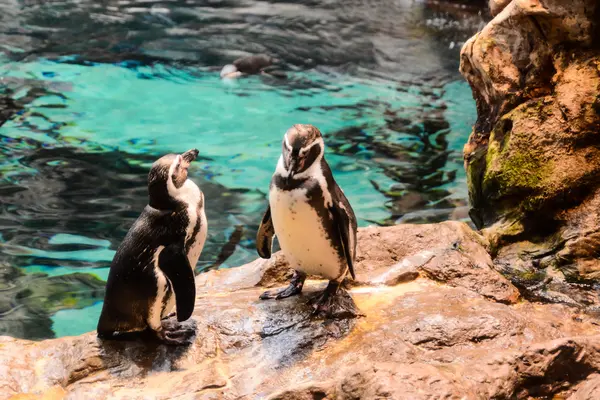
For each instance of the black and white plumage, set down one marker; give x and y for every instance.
(153, 269)
(310, 215)
(252, 65)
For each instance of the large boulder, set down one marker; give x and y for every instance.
(533, 158)
(427, 332)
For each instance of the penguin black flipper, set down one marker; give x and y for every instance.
(173, 262)
(264, 236)
(342, 222)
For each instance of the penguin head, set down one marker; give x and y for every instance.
(302, 147)
(230, 71)
(166, 177)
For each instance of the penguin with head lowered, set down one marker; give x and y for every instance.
(153, 269)
(253, 65)
(312, 219)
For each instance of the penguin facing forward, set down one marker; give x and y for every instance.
(153, 269)
(313, 221)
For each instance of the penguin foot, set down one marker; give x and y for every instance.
(334, 302)
(293, 289)
(173, 338)
(176, 334)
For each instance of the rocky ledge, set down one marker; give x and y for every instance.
(438, 322)
(533, 158)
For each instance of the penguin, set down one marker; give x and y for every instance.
(251, 65)
(312, 219)
(153, 269)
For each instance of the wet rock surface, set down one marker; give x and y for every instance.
(532, 159)
(420, 337)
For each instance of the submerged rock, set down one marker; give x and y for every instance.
(420, 338)
(533, 159)
(27, 301)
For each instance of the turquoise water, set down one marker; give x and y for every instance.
(77, 148)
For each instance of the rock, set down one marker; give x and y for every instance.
(496, 6)
(539, 370)
(533, 159)
(454, 254)
(418, 339)
(588, 389)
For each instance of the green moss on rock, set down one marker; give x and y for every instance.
(522, 170)
(512, 166)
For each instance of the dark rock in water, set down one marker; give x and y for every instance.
(420, 164)
(533, 158)
(460, 213)
(27, 301)
(8, 108)
(450, 337)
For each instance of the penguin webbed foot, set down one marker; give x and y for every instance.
(176, 334)
(294, 288)
(334, 302)
(279, 294)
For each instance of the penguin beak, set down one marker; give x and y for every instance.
(293, 163)
(292, 168)
(188, 157)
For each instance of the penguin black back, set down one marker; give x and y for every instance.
(152, 270)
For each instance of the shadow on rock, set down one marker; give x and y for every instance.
(291, 331)
(139, 354)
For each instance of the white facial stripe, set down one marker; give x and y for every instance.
(287, 142)
(310, 170)
(318, 142)
(189, 194)
(170, 185)
(280, 165)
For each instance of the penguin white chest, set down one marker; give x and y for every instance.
(191, 195)
(199, 240)
(301, 234)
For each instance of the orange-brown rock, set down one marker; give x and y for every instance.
(533, 158)
(419, 339)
